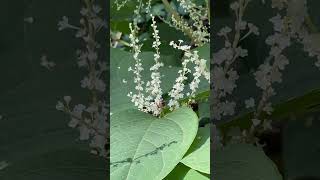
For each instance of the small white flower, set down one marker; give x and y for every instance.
(268, 109)
(60, 106)
(267, 124)
(281, 62)
(222, 82)
(64, 24)
(79, 108)
(250, 103)
(3, 164)
(255, 122)
(224, 54)
(241, 52)
(85, 83)
(228, 108)
(73, 122)
(224, 31)
(67, 99)
(277, 23)
(45, 63)
(29, 20)
(254, 29)
(235, 6)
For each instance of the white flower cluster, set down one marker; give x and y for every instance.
(198, 15)
(290, 24)
(287, 28)
(120, 3)
(139, 98)
(224, 76)
(177, 91)
(265, 76)
(153, 87)
(197, 30)
(152, 102)
(91, 120)
(148, 97)
(294, 22)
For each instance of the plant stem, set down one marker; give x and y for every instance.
(169, 9)
(91, 47)
(200, 97)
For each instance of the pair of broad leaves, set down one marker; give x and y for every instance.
(172, 147)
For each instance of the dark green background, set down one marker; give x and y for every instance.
(34, 137)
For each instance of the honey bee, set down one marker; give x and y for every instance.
(160, 104)
(194, 106)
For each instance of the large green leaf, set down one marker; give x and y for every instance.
(182, 172)
(146, 147)
(198, 156)
(244, 161)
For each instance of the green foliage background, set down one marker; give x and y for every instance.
(34, 137)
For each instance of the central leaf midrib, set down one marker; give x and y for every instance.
(134, 156)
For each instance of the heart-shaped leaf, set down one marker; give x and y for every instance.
(146, 147)
(198, 156)
(244, 161)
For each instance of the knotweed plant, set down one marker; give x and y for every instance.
(291, 25)
(156, 119)
(148, 96)
(90, 119)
